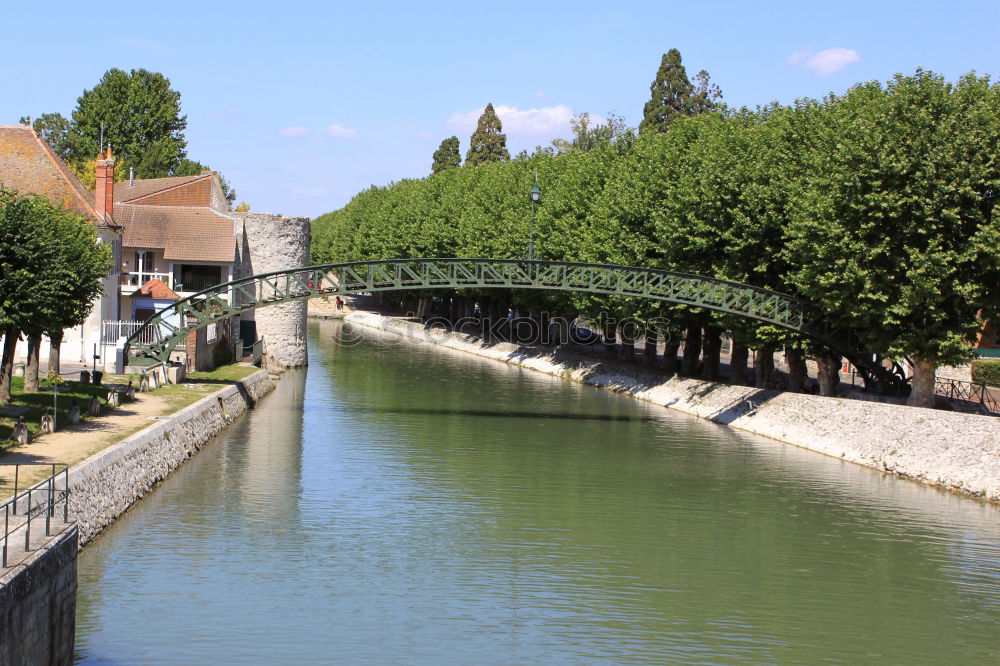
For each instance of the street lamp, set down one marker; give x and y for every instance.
(536, 196)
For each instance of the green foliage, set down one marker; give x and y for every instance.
(889, 227)
(672, 94)
(187, 167)
(587, 136)
(986, 372)
(52, 265)
(141, 117)
(447, 156)
(57, 131)
(488, 143)
(876, 206)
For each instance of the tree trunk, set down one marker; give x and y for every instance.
(828, 374)
(711, 346)
(670, 353)
(649, 358)
(692, 350)
(738, 363)
(55, 343)
(764, 367)
(7, 362)
(627, 348)
(797, 372)
(31, 367)
(924, 373)
(610, 346)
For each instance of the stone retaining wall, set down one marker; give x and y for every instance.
(949, 449)
(105, 485)
(38, 605)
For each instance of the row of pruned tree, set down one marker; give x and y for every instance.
(876, 205)
(52, 265)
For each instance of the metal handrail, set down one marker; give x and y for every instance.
(968, 396)
(39, 499)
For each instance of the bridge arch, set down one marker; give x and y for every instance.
(169, 327)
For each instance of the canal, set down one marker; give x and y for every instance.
(406, 504)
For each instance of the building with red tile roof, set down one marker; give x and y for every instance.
(30, 166)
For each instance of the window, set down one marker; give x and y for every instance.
(198, 278)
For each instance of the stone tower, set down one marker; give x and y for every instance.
(275, 243)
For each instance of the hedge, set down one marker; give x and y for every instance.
(986, 372)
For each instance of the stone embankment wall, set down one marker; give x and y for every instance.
(948, 449)
(276, 243)
(38, 605)
(105, 485)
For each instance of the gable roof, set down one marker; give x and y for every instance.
(184, 233)
(28, 165)
(156, 289)
(149, 186)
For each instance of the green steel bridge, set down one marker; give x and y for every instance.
(169, 327)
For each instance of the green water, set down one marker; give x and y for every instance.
(404, 504)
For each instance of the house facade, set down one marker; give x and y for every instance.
(178, 239)
(176, 230)
(28, 165)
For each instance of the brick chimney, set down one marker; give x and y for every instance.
(104, 193)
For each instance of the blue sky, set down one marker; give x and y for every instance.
(303, 104)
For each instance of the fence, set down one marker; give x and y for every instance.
(32, 504)
(969, 397)
(113, 330)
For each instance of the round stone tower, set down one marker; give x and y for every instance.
(275, 243)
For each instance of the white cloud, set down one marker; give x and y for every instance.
(294, 131)
(520, 122)
(825, 62)
(342, 132)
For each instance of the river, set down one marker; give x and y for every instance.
(399, 503)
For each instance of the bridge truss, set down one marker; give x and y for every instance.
(169, 327)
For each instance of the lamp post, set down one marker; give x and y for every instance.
(536, 195)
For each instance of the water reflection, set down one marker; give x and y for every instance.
(404, 504)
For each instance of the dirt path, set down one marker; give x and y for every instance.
(78, 442)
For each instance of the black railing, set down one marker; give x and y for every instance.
(970, 397)
(37, 501)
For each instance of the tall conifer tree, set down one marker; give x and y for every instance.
(447, 156)
(674, 95)
(488, 143)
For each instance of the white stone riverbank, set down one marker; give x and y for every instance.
(956, 451)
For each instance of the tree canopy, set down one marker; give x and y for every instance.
(141, 118)
(876, 205)
(139, 115)
(447, 156)
(488, 143)
(52, 266)
(672, 94)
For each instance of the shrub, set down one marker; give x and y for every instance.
(986, 372)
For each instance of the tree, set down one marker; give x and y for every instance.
(587, 136)
(52, 266)
(141, 118)
(673, 95)
(891, 227)
(447, 156)
(488, 143)
(56, 131)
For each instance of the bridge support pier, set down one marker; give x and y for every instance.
(274, 243)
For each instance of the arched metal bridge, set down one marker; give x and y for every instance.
(169, 327)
